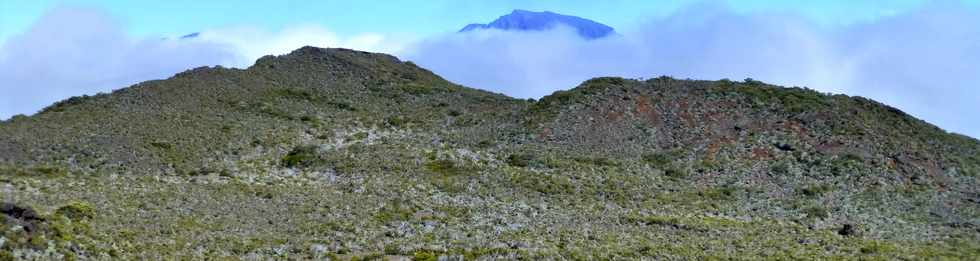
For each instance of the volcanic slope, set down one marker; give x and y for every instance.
(334, 153)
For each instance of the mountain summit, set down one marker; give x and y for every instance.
(523, 20)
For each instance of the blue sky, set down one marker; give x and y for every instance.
(174, 17)
(920, 56)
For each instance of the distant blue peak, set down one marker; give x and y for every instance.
(524, 20)
(191, 35)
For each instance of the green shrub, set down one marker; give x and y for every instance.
(485, 144)
(598, 161)
(425, 255)
(291, 94)
(396, 121)
(309, 119)
(36, 171)
(675, 172)
(359, 136)
(76, 210)
(394, 211)
(546, 184)
(815, 190)
(520, 159)
(161, 145)
(50, 170)
(444, 167)
(816, 211)
(657, 220)
(793, 100)
(301, 156)
(726, 192)
(417, 89)
(877, 248)
(62, 105)
(662, 159)
(342, 106)
(780, 168)
(844, 164)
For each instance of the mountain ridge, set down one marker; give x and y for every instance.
(523, 20)
(359, 154)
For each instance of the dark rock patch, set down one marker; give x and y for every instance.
(847, 230)
(19, 215)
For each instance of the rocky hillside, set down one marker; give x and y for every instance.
(333, 153)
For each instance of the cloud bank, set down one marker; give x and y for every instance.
(72, 51)
(924, 62)
(78, 51)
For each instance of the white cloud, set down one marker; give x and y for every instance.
(253, 42)
(923, 62)
(77, 51)
(71, 51)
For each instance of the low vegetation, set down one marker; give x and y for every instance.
(345, 155)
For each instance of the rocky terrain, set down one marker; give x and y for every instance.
(341, 154)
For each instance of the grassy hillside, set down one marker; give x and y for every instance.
(333, 153)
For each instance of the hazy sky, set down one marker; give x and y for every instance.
(920, 56)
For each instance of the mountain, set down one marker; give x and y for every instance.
(523, 20)
(334, 153)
